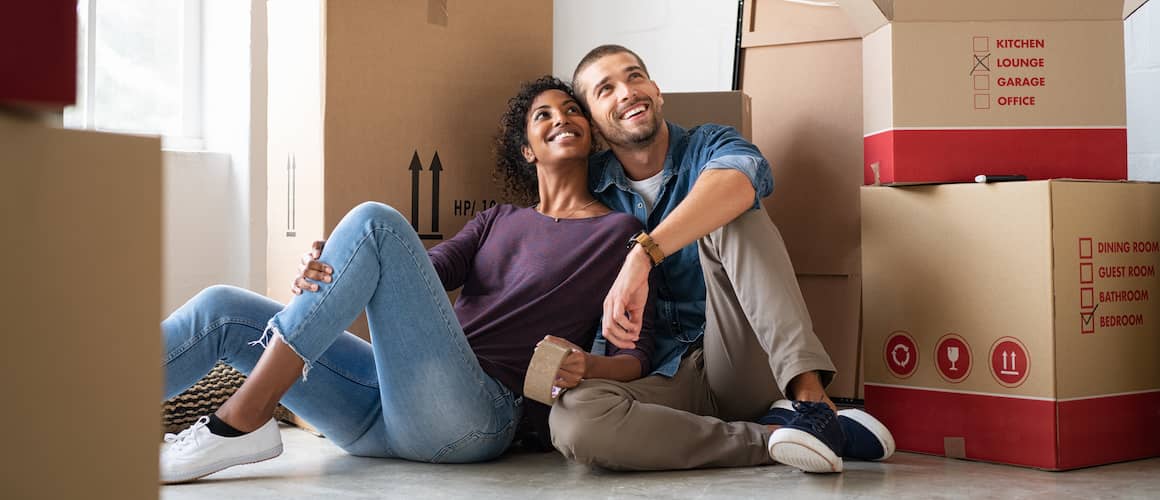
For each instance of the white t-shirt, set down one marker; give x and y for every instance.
(648, 189)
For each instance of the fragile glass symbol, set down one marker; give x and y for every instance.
(1009, 371)
(953, 355)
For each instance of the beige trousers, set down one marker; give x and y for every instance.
(758, 336)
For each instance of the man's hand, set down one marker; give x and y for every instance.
(624, 305)
(309, 268)
(575, 366)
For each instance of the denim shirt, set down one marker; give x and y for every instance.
(680, 307)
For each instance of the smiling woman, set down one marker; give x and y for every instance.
(512, 169)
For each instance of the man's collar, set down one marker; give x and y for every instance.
(604, 169)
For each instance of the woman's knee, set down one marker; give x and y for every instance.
(378, 214)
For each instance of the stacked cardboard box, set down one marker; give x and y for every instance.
(395, 102)
(82, 217)
(1006, 322)
(1015, 322)
(955, 89)
(802, 65)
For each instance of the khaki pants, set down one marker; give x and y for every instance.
(758, 336)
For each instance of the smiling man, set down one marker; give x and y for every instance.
(732, 332)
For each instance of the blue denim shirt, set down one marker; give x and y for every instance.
(680, 306)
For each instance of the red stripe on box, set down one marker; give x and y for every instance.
(993, 428)
(949, 155)
(1109, 429)
(38, 53)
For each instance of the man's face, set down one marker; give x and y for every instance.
(625, 103)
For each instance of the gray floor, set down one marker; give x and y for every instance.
(311, 467)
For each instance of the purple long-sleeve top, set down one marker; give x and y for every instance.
(525, 276)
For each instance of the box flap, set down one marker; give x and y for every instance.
(1131, 6)
(783, 22)
(869, 15)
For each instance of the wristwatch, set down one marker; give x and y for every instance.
(650, 247)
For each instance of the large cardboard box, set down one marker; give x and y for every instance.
(1015, 322)
(396, 102)
(802, 65)
(82, 312)
(954, 89)
(832, 299)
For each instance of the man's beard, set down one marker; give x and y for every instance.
(638, 139)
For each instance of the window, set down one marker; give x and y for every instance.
(139, 69)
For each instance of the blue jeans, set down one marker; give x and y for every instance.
(416, 391)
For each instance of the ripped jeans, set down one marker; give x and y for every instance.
(416, 391)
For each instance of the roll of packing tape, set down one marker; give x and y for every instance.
(541, 377)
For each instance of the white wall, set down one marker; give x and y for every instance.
(215, 201)
(1142, 54)
(200, 223)
(688, 45)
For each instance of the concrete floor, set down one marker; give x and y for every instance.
(311, 467)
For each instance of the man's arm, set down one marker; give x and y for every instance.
(718, 196)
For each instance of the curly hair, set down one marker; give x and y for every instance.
(518, 178)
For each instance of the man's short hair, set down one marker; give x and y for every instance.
(595, 54)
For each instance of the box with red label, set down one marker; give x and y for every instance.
(1014, 322)
(954, 89)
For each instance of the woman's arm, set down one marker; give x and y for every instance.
(579, 365)
(452, 258)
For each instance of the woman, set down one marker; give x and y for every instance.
(436, 383)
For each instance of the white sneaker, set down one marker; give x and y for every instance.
(196, 452)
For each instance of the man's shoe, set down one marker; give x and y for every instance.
(866, 437)
(196, 452)
(780, 413)
(811, 440)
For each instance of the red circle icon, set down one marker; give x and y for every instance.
(901, 354)
(952, 355)
(1010, 363)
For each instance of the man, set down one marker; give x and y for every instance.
(732, 332)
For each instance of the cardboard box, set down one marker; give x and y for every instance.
(396, 102)
(801, 64)
(833, 300)
(38, 54)
(955, 89)
(82, 314)
(1015, 322)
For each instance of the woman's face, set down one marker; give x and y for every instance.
(557, 130)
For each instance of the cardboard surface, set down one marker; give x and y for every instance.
(381, 101)
(869, 15)
(1044, 290)
(805, 122)
(690, 109)
(82, 217)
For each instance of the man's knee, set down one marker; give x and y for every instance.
(583, 422)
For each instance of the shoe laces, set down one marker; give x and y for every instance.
(817, 415)
(186, 437)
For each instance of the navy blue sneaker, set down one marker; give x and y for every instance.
(866, 437)
(811, 440)
(780, 413)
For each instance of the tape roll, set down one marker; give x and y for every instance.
(541, 377)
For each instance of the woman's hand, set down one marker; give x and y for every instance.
(575, 366)
(310, 268)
